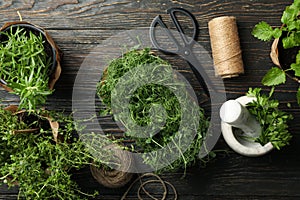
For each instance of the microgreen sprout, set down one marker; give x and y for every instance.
(25, 66)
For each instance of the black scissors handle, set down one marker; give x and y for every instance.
(172, 12)
(158, 21)
(188, 42)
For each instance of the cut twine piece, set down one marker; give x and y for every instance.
(141, 188)
(225, 45)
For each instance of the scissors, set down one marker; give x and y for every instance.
(184, 50)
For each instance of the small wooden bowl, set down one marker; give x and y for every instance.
(50, 46)
(283, 58)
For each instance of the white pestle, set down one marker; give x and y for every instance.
(236, 115)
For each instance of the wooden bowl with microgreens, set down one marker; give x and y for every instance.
(143, 100)
(285, 50)
(30, 63)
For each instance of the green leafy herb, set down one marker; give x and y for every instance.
(290, 37)
(272, 120)
(35, 162)
(153, 96)
(275, 76)
(296, 66)
(25, 66)
(265, 32)
(290, 14)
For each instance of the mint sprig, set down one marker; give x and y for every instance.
(275, 76)
(289, 34)
(265, 32)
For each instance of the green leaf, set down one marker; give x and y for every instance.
(277, 33)
(289, 14)
(293, 25)
(296, 6)
(297, 37)
(296, 68)
(298, 96)
(263, 31)
(298, 58)
(289, 42)
(275, 76)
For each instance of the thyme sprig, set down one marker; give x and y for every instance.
(35, 162)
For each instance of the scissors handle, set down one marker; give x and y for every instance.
(172, 12)
(188, 42)
(158, 21)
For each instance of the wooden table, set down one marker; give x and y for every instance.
(79, 26)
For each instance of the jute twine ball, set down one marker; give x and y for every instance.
(115, 178)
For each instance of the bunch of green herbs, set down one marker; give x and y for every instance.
(273, 121)
(25, 66)
(290, 35)
(35, 162)
(143, 100)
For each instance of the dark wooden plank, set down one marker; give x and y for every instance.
(79, 26)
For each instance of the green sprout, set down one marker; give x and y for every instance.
(25, 66)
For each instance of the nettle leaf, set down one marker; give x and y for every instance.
(263, 31)
(277, 33)
(275, 76)
(298, 58)
(293, 25)
(296, 68)
(297, 37)
(290, 13)
(295, 5)
(289, 42)
(298, 96)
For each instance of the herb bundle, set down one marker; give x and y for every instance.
(35, 162)
(25, 66)
(272, 120)
(290, 37)
(157, 97)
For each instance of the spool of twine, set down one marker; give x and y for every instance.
(114, 178)
(225, 44)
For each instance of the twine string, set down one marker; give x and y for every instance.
(142, 187)
(225, 44)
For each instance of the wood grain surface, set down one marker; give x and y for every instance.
(78, 26)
